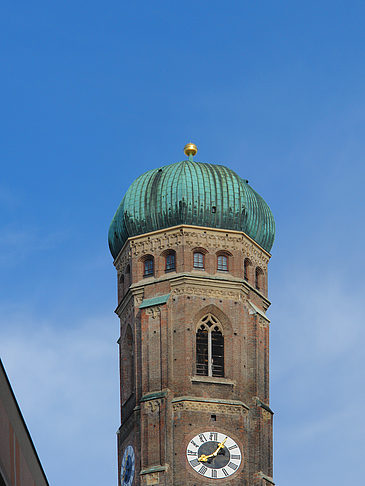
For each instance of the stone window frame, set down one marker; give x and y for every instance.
(167, 254)
(127, 273)
(145, 260)
(199, 251)
(223, 260)
(121, 280)
(211, 324)
(246, 269)
(259, 279)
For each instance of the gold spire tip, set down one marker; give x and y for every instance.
(190, 149)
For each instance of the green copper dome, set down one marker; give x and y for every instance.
(191, 193)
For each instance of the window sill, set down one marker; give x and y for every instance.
(212, 379)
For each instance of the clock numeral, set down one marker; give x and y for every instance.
(232, 447)
(214, 473)
(236, 456)
(232, 465)
(194, 463)
(194, 443)
(224, 472)
(192, 453)
(213, 436)
(202, 438)
(202, 470)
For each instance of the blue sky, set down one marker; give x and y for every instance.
(93, 95)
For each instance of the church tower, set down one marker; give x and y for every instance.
(191, 245)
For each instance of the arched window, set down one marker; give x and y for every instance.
(128, 276)
(246, 268)
(209, 347)
(198, 259)
(148, 267)
(120, 287)
(222, 263)
(170, 261)
(259, 277)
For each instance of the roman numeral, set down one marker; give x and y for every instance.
(232, 447)
(202, 438)
(232, 465)
(194, 463)
(194, 443)
(214, 473)
(213, 436)
(203, 470)
(224, 472)
(235, 456)
(192, 453)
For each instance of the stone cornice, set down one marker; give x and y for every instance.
(154, 469)
(202, 284)
(125, 302)
(210, 400)
(266, 478)
(132, 298)
(192, 236)
(229, 286)
(211, 380)
(209, 287)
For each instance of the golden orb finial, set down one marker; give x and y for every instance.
(190, 150)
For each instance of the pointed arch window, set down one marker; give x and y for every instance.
(209, 347)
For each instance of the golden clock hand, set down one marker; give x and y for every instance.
(204, 458)
(220, 445)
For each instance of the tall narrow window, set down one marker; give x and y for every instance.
(246, 266)
(222, 263)
(170, 262)
(121, 287)
(202, 351)
(198, 260)
(259, 278)
(127, 365)
(128, 276)
(148, 267)
(209, 347)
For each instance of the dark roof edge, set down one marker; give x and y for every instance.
(23, 422)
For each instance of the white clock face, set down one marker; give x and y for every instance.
(128, 466)
(214, 455)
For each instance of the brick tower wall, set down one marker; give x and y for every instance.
(164, 403)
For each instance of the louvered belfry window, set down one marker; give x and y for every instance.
(209, 347)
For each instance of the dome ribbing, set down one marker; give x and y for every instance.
(192, 193)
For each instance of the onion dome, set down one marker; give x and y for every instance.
(192, 193)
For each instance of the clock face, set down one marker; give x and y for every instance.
(214, 455)
(127, 468)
